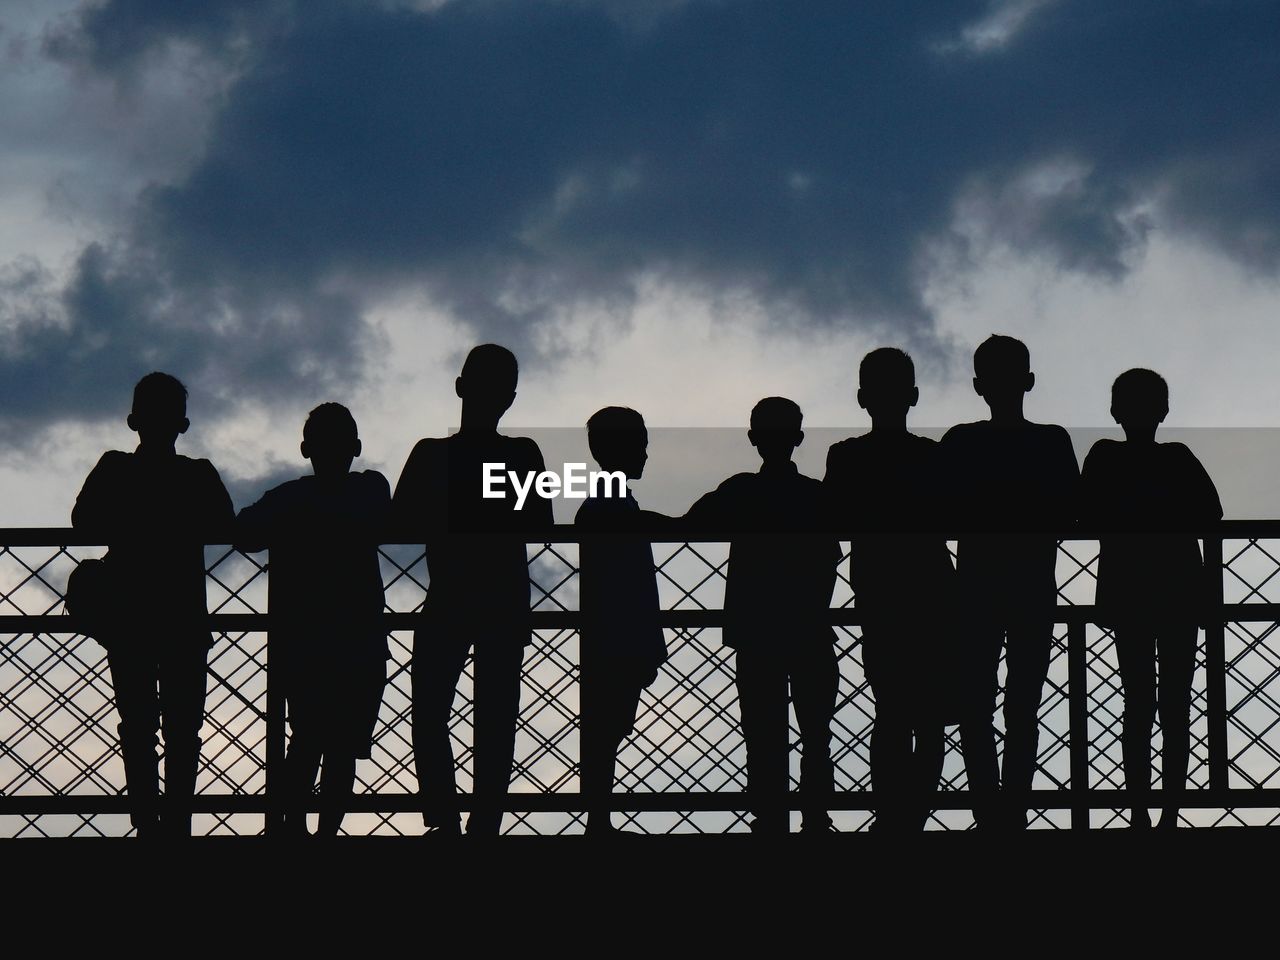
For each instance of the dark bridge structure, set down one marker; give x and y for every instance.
(683, 770)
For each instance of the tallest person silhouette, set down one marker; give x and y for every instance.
(478, 593)
(1015, 482)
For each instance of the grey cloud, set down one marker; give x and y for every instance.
(513, 157)
(74, 353)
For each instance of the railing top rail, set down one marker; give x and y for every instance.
(568, 533)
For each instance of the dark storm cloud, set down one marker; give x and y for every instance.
(120, 35)
(516, 156)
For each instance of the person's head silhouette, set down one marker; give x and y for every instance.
(487, 385)
(887, 386)
(330, 439)
(775, 429)
(1002, 374)
(159, 411)
(1139, 402)
(618, 440)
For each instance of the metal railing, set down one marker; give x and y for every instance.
(683, 770)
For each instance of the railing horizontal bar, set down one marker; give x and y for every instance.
(571, 619)
(568, 533)
(571, 802)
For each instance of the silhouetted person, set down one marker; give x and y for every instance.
(327, 641)
(1016, 479)
(782, 569)
(155, 510)
(478, 593)
(622, 644)
(1151, 581)
(884, 485)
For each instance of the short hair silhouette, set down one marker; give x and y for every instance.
(885, 369)
(330, 423)
(491, 367)
(160, 395)
(611, 432)
(776, 413)
(1140, 394)
(998, 357)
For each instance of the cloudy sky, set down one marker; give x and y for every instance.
(678, 205)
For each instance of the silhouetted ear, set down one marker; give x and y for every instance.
(751, 437)
(799, 437)
(861, 399)
(183, 425)
(510, 401)
(915, 396)
(133, 424)
(1112, 411)
(357, 448)
(457, 386)
(302, 448)
(977, 386)
(1163, 414)
(1031, 382)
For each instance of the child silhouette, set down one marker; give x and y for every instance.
(155, 509)
(1014, 482)
(1151, 580)
(884, 485)
(327, 641)
(782, 569)
(622, 642)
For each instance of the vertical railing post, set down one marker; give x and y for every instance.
(1078, 718)
(275, 736)
(1215, 655)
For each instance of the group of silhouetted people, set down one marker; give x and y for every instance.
(932, 631)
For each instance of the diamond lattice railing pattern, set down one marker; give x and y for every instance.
(61, 773)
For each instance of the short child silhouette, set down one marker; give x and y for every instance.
(1015, 482)
(884, 484)
(327, 640)
(622, 642)
(1151, 580)
(782, 569)
(155, 509)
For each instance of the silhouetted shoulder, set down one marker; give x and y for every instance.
(94, 506)
(605, 512)
(855, 449)
(373, 483)
(738, 483)
(421, 478)
(523, 452)
(1054, 433)
(426, 451)
(214, 509)
(965, 431)
(721, 505)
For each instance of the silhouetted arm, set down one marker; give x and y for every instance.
(407, 512)
(255, 525)
(659, 526)
(1205, 503)
(1092, 499)
(380, 521)
(952, 495)
(709, 512)
(217, 512)
(538, 510)
(1068, 471)
(836, 491)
